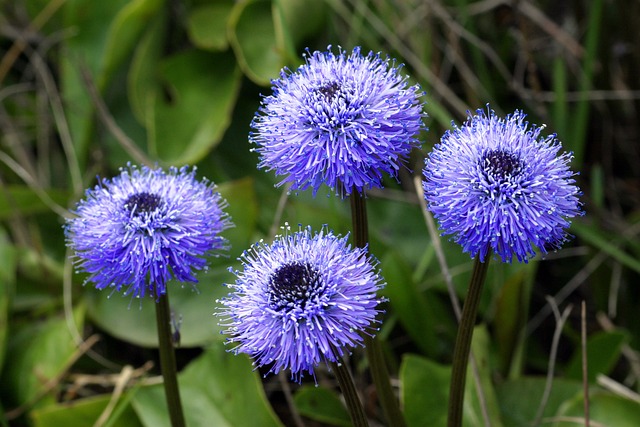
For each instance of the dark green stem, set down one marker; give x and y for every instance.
(168, 361)
(377, 365)
(463, 342)
(350, 394)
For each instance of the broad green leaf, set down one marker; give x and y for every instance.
(134, 320)
(411, 306)
(511, 310)
(322, 405)
(425, 389)
(124, 33)
(217, 389)
(253, 39)
(520, 398)
(424, 392)
(207, 25)
(243, 210)
(605, 409)
(35, 354)
(473, 413)
(142, 80)
(603, 351)
(85, 412)
(8, 263)
(201, 91)
(301, 19)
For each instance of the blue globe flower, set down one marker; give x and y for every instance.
(145, 227)
(495, 184)
(341, 120)
(304, 299)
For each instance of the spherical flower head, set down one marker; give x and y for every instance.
(304, 299)
(496, 184)
(146, 226)
(342, 120)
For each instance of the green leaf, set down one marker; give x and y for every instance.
(605, 409)
(413, 309)
(253, 39)
(201, 90)
(425, 389)
(142, 80)
(134, 320)
(8, 264)
(207, 25)
(124, 33)
(603, 351)
(322, 405)
(511, 313)
(217, 389)
(424, 392)
(243, 210)
(85, 412)
(599, 240)
(294, 21)
(35, 354)
(520, 399)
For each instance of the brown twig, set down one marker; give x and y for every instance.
(560, 321)
(19, 44)
(52, 382)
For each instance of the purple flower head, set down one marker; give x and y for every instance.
(495, 184)
(341, 120)
(145, 227)
(304, 299)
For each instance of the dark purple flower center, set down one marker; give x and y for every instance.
(501, 164)
(142, 203)
(329, 90)
(292, 285)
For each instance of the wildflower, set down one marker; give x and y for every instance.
(495, 184)
(145, 227)
(341, 120)
(304, 299)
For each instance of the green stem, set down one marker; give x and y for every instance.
(379, 371)
(168, 361)
(356, 411)
(463, 342)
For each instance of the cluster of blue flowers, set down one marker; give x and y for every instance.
(343, 120)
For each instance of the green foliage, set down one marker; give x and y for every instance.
(217, 389)
(323, 405)
(180, 82)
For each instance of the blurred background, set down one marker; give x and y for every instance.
(87, 87)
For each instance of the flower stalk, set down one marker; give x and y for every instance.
(356, 411)
(463, 342)
(377, 366)
(168, 361)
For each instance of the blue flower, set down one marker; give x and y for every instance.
(145, 227)
(341, 120)
(495, 184)
(304, 299)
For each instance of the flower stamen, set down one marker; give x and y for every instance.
(293, 284)
(143, 202)
(501, 164)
